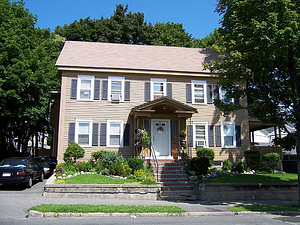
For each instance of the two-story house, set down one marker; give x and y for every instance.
(110, 91)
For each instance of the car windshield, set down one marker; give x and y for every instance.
(13, 162)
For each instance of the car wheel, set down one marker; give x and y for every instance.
(29, 182)
(41, 177)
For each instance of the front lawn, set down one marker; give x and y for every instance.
(81, 208)
(264, 208)
(96, 179)
(254, 178)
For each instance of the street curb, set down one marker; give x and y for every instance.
(33, 213)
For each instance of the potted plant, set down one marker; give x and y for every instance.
(182, 133)
(144, 136)
(175, 153)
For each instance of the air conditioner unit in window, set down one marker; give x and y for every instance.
(115, 98)
(200, 143)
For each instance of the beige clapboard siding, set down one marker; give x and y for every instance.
(101, 110)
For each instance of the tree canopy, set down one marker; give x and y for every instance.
(260, 51)
(127, 28)
(27, 75)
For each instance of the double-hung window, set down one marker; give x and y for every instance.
(225, 98)
(158, 88)
(83, 132)
(116, 89)
(85, 89)
(199, 92)
(228, 134)
(115, 133)
(200, 134)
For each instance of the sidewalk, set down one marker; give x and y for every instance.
(193, 208)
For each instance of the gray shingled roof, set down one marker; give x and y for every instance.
(133, 57)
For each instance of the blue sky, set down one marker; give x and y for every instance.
(197, 16)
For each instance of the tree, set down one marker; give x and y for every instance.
(27, 75)
(260, 51)
(171, 34)
(122, 27)
(211, 40)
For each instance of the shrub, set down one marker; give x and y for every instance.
(73, 152)
(227, 165)
(119, 169)
(135, 163)
(145, 175)
(207, 153)
(253, 159)
(271, 160)
(200, 165)
(239, 166)
(107, 157)
(84, 166)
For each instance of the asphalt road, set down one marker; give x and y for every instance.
(15, 201)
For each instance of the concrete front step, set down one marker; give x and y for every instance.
(175, 183)
(176, 188)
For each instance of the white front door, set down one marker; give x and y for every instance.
(160, 130)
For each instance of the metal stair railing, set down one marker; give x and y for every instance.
(155, 162)
(185, 162)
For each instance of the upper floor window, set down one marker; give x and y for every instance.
(228, 134)
(114, 133)
(199, 92)
(158, 88)
(85, 88)
(200, 134)
(83, 132)
(116, 88)
(223, 96)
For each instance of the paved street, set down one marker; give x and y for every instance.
(15, 201)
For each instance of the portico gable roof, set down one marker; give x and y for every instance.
(164, 103)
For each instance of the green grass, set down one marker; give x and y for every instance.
(94, 179)
(264, 208)
(254, 178)
(98, 179)
(81, 208)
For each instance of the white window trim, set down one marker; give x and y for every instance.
(204, 83)
(78, 121)
(206, 133)
(155, 80)
(85, 77)
(222, 96)
(226, 123)
(109, 122)
(122, 79)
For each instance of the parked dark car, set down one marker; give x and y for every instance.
(20, 170)
(48, 163)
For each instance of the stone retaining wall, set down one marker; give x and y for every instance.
(107, 191)
(247, 191)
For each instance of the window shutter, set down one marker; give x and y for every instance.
(189, 135)
(95, 134)
(73, 88)
(147, 92)
(209, 94)
(236, 100)
(169, 90)
(127, 91)
(216, 92)
(218, 135)
(97, 90)
(238, 136)
(71, 132)
(104, 89)
(126, 135)
(211, 141)
(103, 134)
(174, 130)
(189, 93)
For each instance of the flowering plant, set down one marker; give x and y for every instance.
(144, 136)
(175, 151)
(182, 132)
